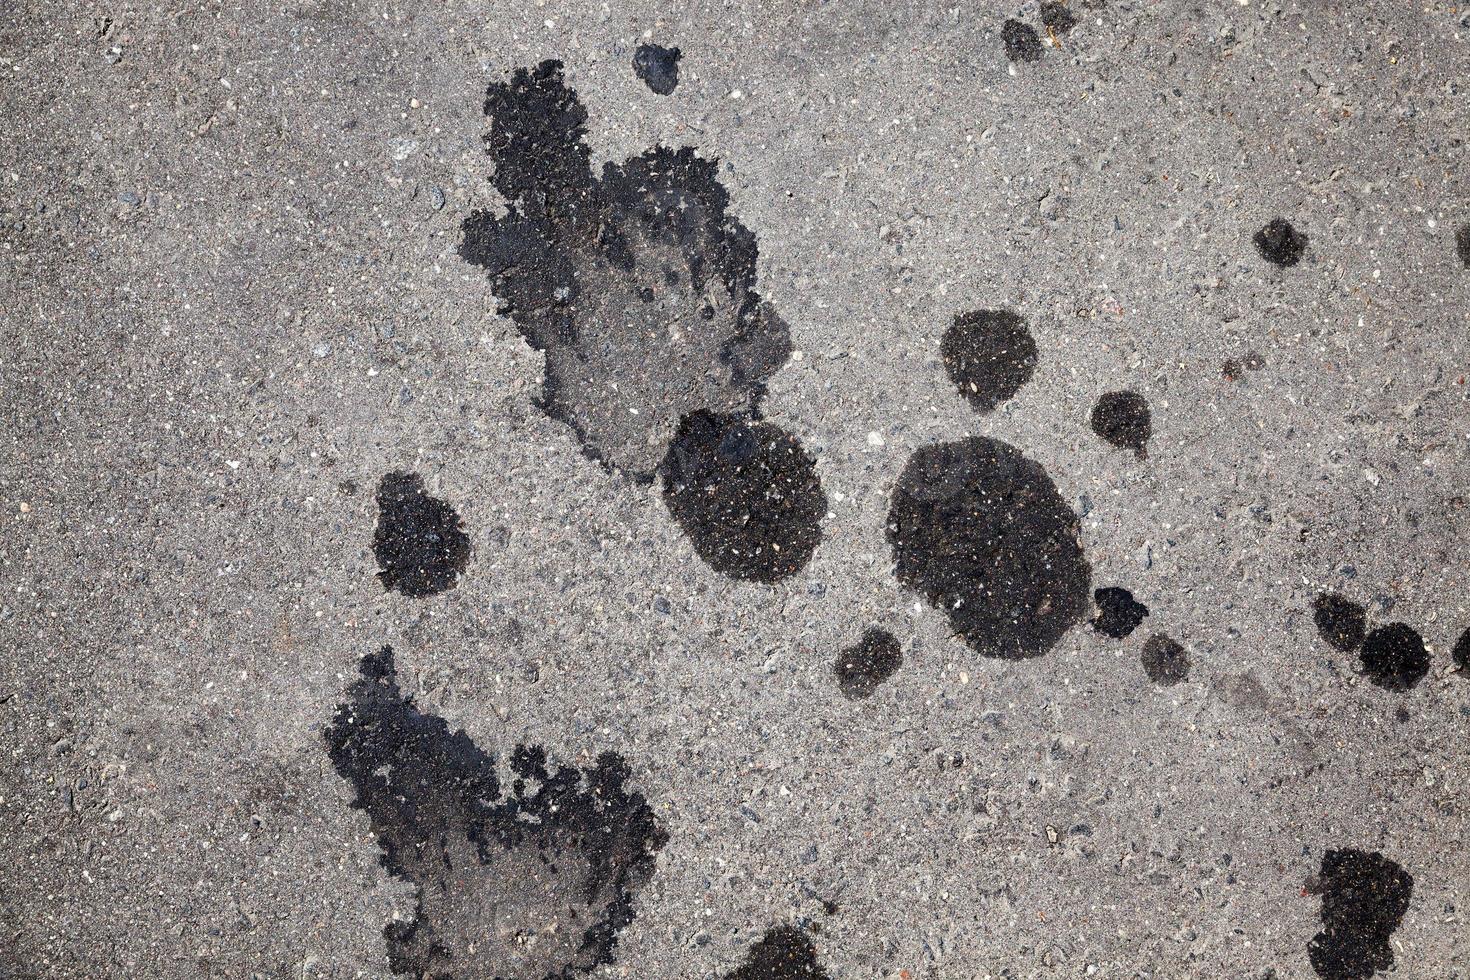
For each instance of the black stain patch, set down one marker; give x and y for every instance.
(1341, 622)
(419, 542)
(534, 883)
(1122, 419)
(1119, 614)
(1021, 41)
(1460, 655)
(1394, 657)
(657, 66)
(983, 534)
(638, 285)
(784, 953)
(861, 668)
(1232, 369)
(1165, 661)
(1280, 243)
(1056, 18)
(1462, 245)
(746, 494)
(1364, 898)
(989, 355)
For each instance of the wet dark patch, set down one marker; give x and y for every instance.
(1340, 621)
(1462, 245)
(638, 285)
(784, 953)
(1122, 418)
(861, 668)
(1021, 41)
(532, 881)
(1165, 660)
(1364, 898)
(746, 494)
(1280, 243)
(1232, 369)
(983, 534)
(657, 66)
(989, 355)
(1119, 614)
(419, 542)
(1460, 655)
(1394, 657)
(1056, 18)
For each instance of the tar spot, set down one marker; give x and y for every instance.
(1364, 898)
(571, 259)
(420, 543)
(1280, 243)
(1165, 661)
(1341, 621)
(746, 494)
(983, 534)
(989, 355)
(1394, 657)
(1119, 614)
(861, 668)
(1021, 41)
(493, 866)
(657, 66)
(1056, 17)
(1461, 654)
(1122, 418)
(1462, 245)
(784, 953)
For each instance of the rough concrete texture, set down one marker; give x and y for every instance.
(234, 300)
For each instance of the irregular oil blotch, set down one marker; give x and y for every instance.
(861, 668)
(1394, 657)
(1364, 898)
(1462, 245)
(419, 542)
(1021, 41)
(1119, 614)
(746, 494)
(784, 953)
(1232, 369)
(983, 534)
(533, 883)
(1460, 655)
(638, 285)
(1340, 621)
(1056, 18)
(1122, 419)
(658, 67)
(1280, 243)
(989, 355)
(1165, 660)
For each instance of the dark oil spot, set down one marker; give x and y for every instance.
(746, 494)
(1122, 418)
(495, 867)
(573, 256)
(1021, 41)
(419, 542)
(1394, 657)
(861, 668)
(784, 953)
(1233, 370)
(657, 66)
(1364, 898)
(1461, 653)
(1119, 614)
(1462, 245)
(983, 534)
(1056, 18)
(1280, 243)
(1165, 661)
(989, 355)
(1341, 621)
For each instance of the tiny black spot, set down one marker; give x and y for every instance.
(989, 355)
(784, 953)
(1394, 657)
(1280, 243)
(1056, 17)
(1165, 661)
(861, 668)
(657, 66)
(1461, 654)
(1364, 898)
(1341, 621)
(1122, 418)
(1462, 244)
(1021, 41)
(420, 543)
(1119, 613)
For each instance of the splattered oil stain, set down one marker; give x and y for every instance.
(1340, 621)
(1122, 419)
(1165, 661)
(983, 534)
(1021, 41)
(638, 285)
(419, 542)
(1462, 245)
(1364, 898)
(989, 355)
(1281, 244)
(861, 668)
(784, 953)
(534, 883)
(1394, 657)
(1056, 18)
(747, 495)
(658, 67)
(1119, 614)
(1460, 655)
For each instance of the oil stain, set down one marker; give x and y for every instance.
(1021, 41)
(420, 544)
(1394, 657)
(1119, 614)
(1340, 621)
(658, 67)
(1122, 419)
(861, 668)
(1281, 244)
(784, 953)
(1364, 898)
(1460, 655)
(1165, 660)
(1462, 245)
(989, 355)
(1056, 18)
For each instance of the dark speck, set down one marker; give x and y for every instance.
(1119, 614)
(657, 66)
(1122, 418)
(1341, 621)
(1021, 41)
(1394, 657)
(1280, 243)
